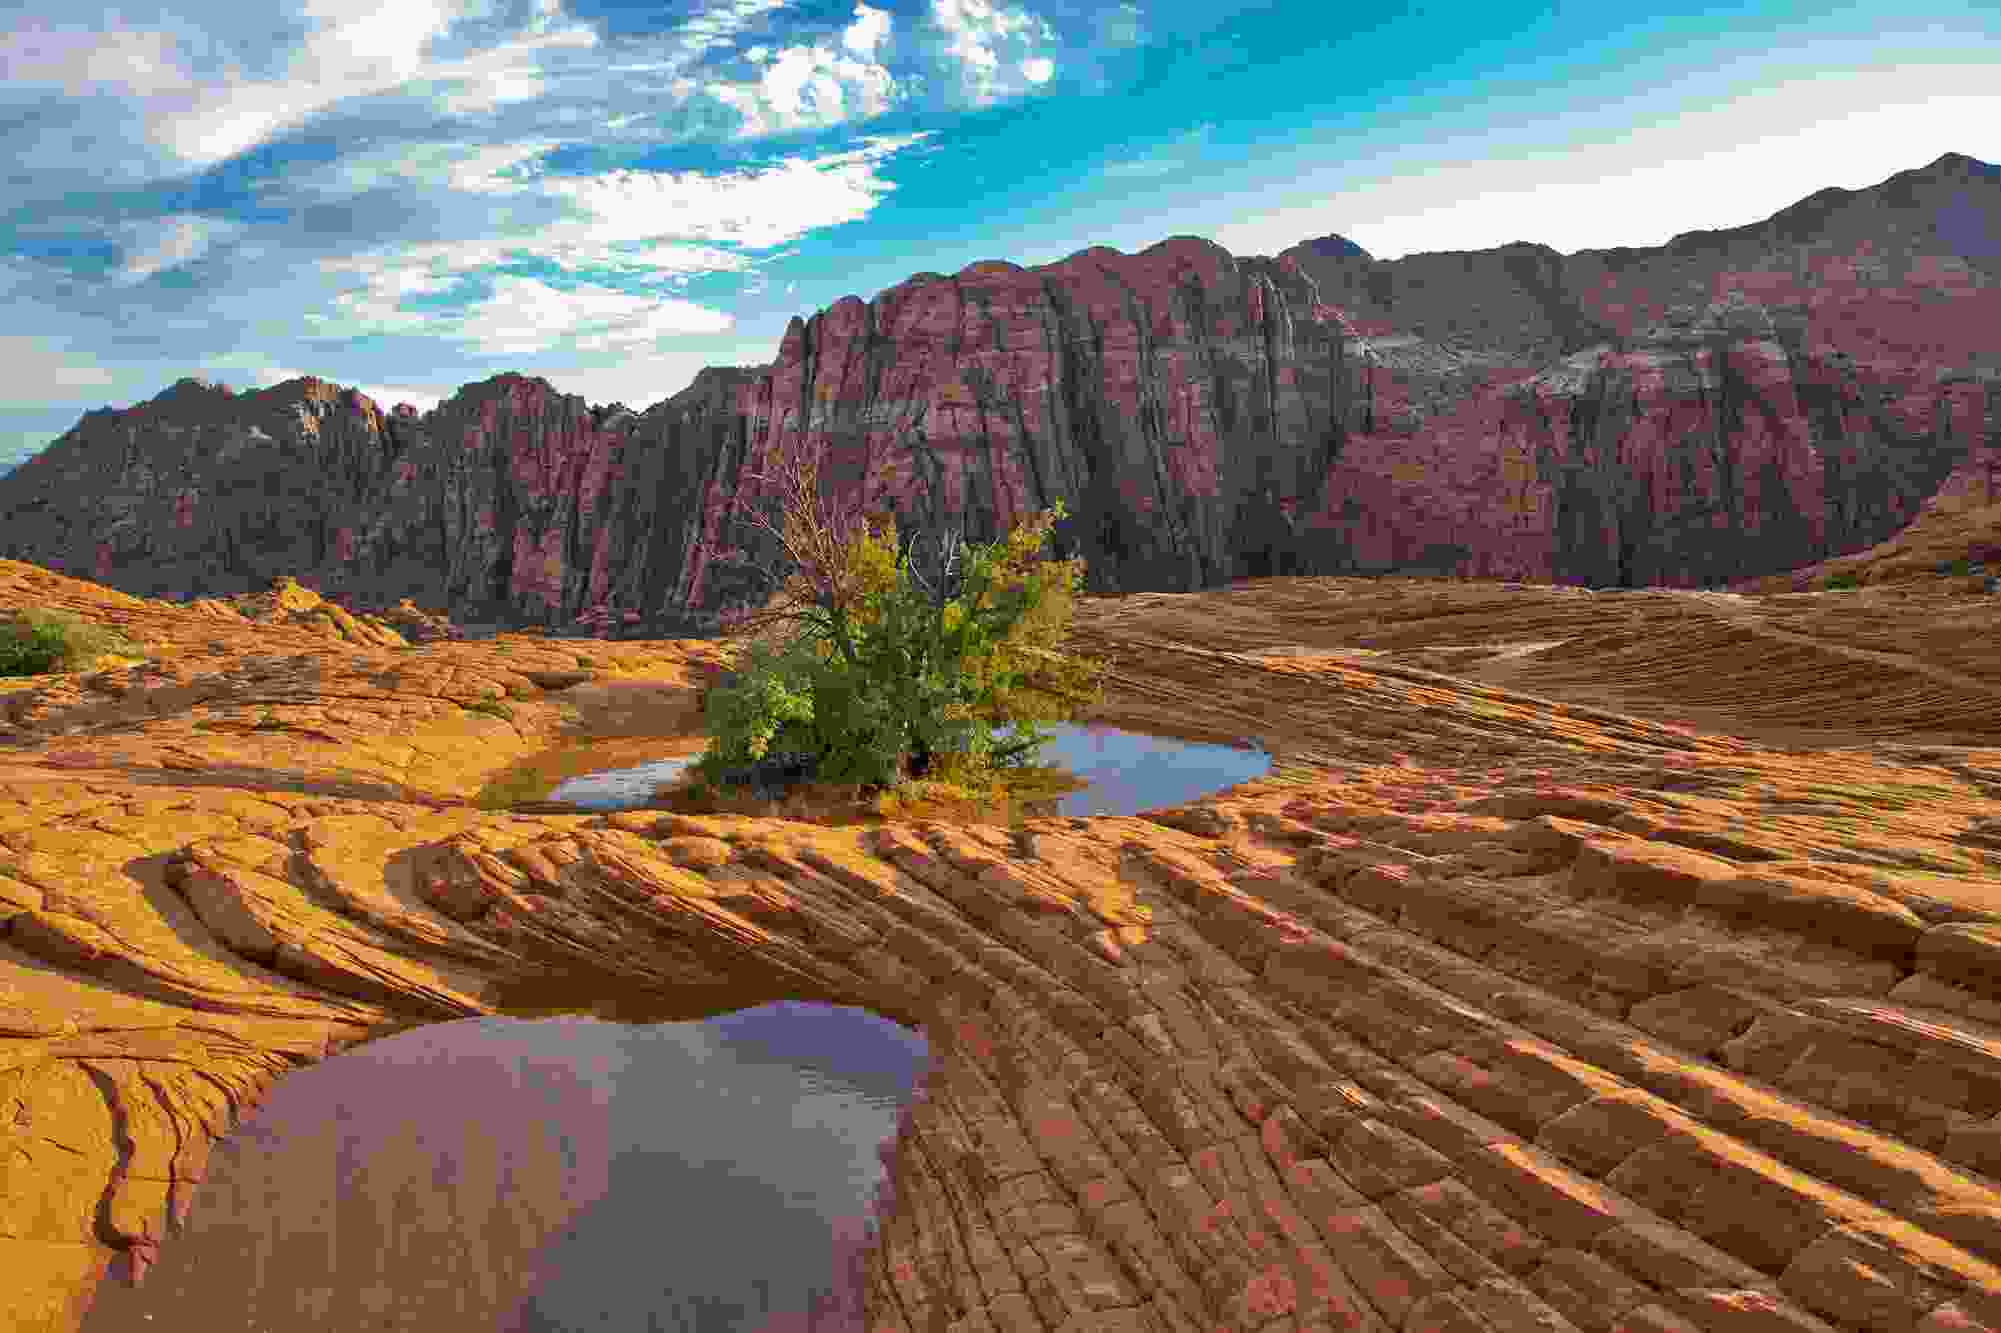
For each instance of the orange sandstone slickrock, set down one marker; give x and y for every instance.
(1536, 988)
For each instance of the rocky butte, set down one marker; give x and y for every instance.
(1729, 405)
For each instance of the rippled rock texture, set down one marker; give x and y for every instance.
(1730, 405)
(1589, 961)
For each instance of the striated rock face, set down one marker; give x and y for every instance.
(1729, 405)
(1588, 961)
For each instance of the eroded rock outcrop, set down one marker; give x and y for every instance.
(1492, 1006)
(1729, 405)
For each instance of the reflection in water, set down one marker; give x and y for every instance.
(528, 1177)
(1128, 772)
(619, 788)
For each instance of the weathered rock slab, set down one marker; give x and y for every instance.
(1510, 997)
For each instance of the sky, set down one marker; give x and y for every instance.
(612, 194)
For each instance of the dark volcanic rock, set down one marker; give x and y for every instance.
(1728, 405)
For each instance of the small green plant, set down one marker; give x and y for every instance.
(271, 722)
(585, 662)
(1844, 580)
(893, 681)
(35, 642)
(491, 707)
(771, 694)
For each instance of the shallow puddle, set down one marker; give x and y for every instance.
(1128, 772)
(620, 788)
(512, 1175)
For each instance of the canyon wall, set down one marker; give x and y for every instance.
(1728, 405)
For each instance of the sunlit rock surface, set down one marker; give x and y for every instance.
(1626, 960)
(1730, 405)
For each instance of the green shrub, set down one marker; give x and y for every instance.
(1844, 580)
(897, 680)
(770, 693)
(36, 642)
(491, 707)
(585, 662)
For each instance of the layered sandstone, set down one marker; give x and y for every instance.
(1729, 405)
(1589, 961)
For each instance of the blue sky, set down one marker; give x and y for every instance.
(411, 196)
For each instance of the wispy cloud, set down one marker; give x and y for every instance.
(1843, 127)
(156, 245)
(31, 364)
(341, 171)
(1179, 155)
(616, 229)
(816, 86)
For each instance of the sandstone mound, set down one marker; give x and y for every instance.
(1955, 545)
(1538, 986)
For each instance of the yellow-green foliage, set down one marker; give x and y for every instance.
(33, 642)
(883, 679)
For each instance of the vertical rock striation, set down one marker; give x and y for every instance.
(1728, 405)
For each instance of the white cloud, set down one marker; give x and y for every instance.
(355, 49)
(84, 63)
(974, 28)
(34, 368)
(717, 26)
(1183, 153)
(157, 244)
(348, 54)
(524, 317)
(758, 209)
(632, 223)
(869, 30)
(1847, 128)
(342, 245)
(507, 73)
(814, 87)
(640, 376)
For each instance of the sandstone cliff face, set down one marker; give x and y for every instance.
(1729, 405)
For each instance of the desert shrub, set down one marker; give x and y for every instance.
(491, 707)
(1843, 580)
(960, 667)
(894, 678)
(746, 711)
(33, 642)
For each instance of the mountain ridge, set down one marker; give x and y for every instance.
(1205, 416)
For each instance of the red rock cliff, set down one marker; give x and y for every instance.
(1729, 405)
